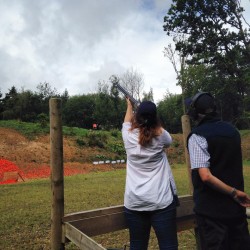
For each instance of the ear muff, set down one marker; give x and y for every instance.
(192, 111)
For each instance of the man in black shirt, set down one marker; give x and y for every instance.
(217, 175)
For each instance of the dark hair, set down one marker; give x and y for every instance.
(147, 122)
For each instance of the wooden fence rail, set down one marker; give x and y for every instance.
(80, 226)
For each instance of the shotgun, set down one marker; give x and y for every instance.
(125, 92)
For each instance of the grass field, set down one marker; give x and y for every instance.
(25, 208)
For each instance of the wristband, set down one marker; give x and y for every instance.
(233, 192)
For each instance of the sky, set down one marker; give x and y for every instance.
(74, 44)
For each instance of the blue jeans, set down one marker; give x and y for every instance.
(163, 222)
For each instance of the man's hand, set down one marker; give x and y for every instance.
(207, 177)
(242, 198)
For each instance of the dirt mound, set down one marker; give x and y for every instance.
(30, 155)
(33, 156)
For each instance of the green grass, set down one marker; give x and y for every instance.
(31, 130)
(28, 129)
(25, 208)
(244, 132)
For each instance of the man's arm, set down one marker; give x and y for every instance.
(209, 179)
(199, 158)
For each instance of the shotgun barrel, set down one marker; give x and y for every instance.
(126, 93)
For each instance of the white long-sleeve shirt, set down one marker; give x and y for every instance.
(148, 172)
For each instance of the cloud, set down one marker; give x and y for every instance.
(74, 44)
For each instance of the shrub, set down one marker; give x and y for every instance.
(43, 120)
(80, 142)
(117, 147)
(175, 144)
(97, 139)
(115, 133)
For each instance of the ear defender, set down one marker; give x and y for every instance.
(199, 105)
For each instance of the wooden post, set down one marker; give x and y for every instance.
(186, 128)
(56, 173)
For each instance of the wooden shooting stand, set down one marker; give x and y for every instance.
(79, 227)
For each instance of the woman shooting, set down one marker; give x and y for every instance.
(150, 188)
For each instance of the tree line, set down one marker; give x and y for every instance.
(106, 107)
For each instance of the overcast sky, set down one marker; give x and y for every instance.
(73, 44)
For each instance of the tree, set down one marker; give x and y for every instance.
(179, 65)
(1, 103)
(148, 96)
(170, 112)
(119, 104)
(78, 111)
(104, 105)
(64, 96)
(46, 91)
(9, 104)
(215, 37)
(29, 106)
(205, 24)
(109, 109)
(133, 82)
